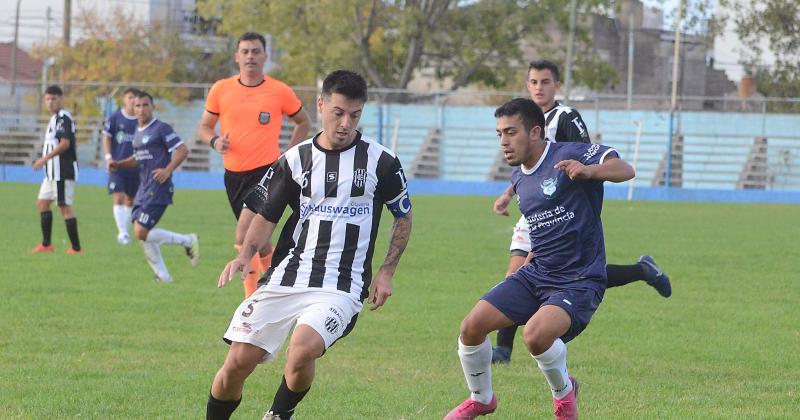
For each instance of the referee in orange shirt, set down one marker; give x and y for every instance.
(250, 107)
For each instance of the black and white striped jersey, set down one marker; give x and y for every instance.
(64, 165)
(563, 124)
(336, 198)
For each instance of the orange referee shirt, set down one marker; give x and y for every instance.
(253, 116)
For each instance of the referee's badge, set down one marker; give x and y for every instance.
(263, 118)
(359, 177)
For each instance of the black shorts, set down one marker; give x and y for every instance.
(239, 184)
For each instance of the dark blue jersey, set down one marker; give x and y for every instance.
(564, 215)
(121, 128)
(152, 149)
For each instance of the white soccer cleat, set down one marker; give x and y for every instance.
(193, 250)
(123, 238)
(162, 278)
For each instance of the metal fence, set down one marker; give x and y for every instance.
(716, 143)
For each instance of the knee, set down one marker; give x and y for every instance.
(300, 355)
(471, 332)
(140, 232)
(238, 367)
(536, 341)
(66, 211)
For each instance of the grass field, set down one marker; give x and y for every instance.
(91, 336)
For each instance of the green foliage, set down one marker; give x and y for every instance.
(91, 336)
(778, 22)
(463, 42)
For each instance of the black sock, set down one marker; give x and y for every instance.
(620, 275)
(47, 226)
(72, 231)
(220, 410)
(505, 337)
(286, 400)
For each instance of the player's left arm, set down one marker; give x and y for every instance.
(178, 156)
(393, 186)
(302, 124)
(611, 169)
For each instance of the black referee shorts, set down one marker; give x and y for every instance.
(239, 184)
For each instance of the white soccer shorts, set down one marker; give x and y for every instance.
(62, 192)
(521, 238)
(267, 317)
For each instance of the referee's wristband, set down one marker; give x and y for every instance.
(213, 142)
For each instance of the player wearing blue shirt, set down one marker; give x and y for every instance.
(157, 151)
(118, 132)
(560, 190)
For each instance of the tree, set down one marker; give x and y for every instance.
(778, 22)
(118, 48)
(464, 42)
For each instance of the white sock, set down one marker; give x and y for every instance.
(153, 254)
(163, 236)
(553, 364)
(122, 218)
(477, 364)
(128, 216)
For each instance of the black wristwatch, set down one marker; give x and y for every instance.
(213, 142)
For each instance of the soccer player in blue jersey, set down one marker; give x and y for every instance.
(118, 132)
(157, 151)
(560, 191)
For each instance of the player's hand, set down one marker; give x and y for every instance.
(380, 289)
(223, 143)
(161, 175)
(112, 165)
(39, 163)
(239, 265)
(500, 206)
(575, 169)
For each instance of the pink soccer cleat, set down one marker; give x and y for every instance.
(567, 407)
(75, 251)
(469, 409)
(42, 248)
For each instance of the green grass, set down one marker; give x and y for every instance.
(91, 336)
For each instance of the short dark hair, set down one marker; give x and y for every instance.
(252, 36)
(347, 83)
(144, 94)
(54, 90)
(529, 112)
(545, 65)
(132, 90)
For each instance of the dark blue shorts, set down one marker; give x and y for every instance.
(519, 296)
(148, 215)
(123, 181)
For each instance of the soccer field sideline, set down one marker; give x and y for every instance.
(92, 336)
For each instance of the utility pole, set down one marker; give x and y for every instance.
(674, 100)
(14, 53)
(573, 6)
(67, 21)
(46, 64)
(630, 60)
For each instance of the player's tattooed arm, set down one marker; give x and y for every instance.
(381, 287)
(258, 234)
(401, 232)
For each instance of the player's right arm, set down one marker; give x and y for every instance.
(500, 206)
(571, 128)
(257, 236)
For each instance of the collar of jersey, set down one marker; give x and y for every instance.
(538, 163)
(324, 150)
(239, 79)
(148, 125)
(130, 117)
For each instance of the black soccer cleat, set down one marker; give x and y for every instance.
(655, 277)
(501, 355)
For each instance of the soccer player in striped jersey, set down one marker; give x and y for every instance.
(60, 162)
(562, 124)
(118, 132)
(560, 190)
(157, 152)
(336, 184)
